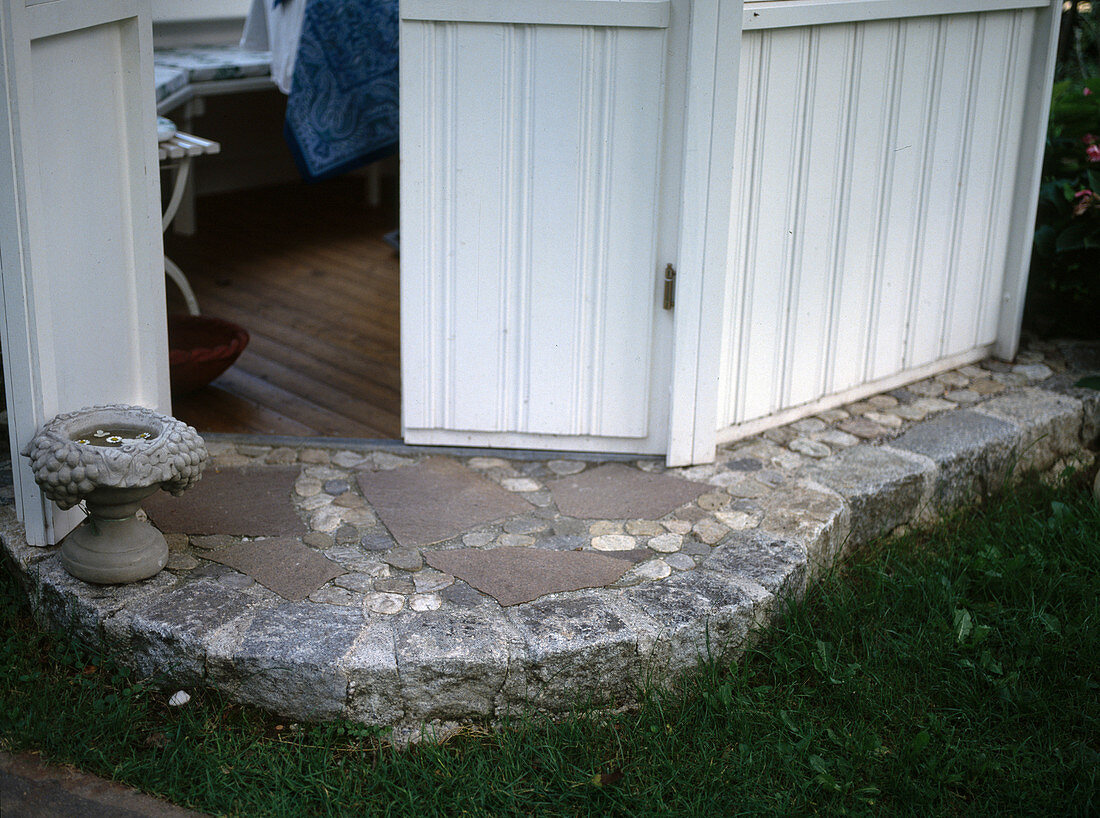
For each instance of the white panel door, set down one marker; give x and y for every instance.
(536, 222)
(80, 242)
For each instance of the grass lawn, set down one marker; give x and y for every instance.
(949, 671)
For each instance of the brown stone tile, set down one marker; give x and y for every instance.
(283, 565)
(248, 502)
(515, 575)
(436, 499)
(617, 492)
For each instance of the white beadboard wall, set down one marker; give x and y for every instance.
(871, 192)
(530, 157)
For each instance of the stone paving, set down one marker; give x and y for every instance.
(383, 637)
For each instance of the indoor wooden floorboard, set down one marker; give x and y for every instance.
(305, 270)
(339, 316)
(345, 310)
(257, 390)
(322, 394)
(340, 371)
(297, 328)
(213, 409)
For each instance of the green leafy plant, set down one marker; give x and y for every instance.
(1065, 269)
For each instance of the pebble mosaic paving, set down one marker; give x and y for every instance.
(372, 619)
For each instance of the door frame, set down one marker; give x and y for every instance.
(706, 191)
(40, 379)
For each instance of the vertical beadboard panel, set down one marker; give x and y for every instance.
(532, 322)
(775, 158)
(860, 262)
(870, 226)
(1006, 77)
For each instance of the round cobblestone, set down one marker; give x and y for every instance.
(614, 542)
(651, 570)
(666, 543)
(562, 468)
(520, 484)
(326, 520)
(680, 562)
(336, 487)
(425, 602)
(383, 603)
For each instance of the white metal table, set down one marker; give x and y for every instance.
(176, 153)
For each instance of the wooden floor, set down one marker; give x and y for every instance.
(305, 270)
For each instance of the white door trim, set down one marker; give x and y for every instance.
(127, 341)
(1025, 194)
(714, 57)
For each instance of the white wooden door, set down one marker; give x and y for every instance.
(534, 151)
(80, 242)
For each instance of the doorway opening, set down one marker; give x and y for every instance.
(306, 270)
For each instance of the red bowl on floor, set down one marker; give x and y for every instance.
(200, 348)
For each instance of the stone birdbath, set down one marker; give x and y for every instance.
(111, 458)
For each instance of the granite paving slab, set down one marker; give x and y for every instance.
(615, 491)
(972, 453)
(513, 575)
(283, 565)
(436, 499)
(249, 501)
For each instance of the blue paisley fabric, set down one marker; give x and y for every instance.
(342, 109)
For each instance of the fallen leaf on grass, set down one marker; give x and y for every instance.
(607, 779)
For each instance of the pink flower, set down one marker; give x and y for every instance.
(1093, 153)
(1085, 199)
(1088, 139)
(1087, 92)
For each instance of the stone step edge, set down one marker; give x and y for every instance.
(590, 647)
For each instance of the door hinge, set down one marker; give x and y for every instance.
(670, 287)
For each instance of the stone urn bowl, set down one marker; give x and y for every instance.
(111, 458)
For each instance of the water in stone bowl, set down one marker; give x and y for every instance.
(111, 438)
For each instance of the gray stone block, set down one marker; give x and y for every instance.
(811, 515)
(288, 659)
(371, 669)
(168, 635)
(698, 616)
(1051, 425)
(452, 664)
(1063, 384)
(580, 650)
(971, 451)
(777, 564)
(883, 488)
(64, 602)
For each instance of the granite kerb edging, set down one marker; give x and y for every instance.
(313, 661)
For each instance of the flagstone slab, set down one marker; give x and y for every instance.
(513, 575)
(247, 501)
(283, 565)
(436, 499)
(615, 491)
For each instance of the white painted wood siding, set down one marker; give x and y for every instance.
(530, 172)
(80, 240)
(875, 168)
